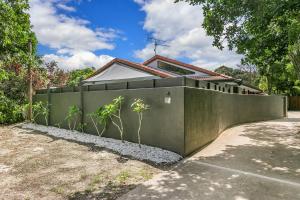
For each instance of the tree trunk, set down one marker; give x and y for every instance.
(30, 83)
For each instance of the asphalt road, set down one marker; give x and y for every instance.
(252, 161)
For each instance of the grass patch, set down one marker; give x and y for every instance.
(145, 174)
(58, 190)
(97, 179)
(123, 176)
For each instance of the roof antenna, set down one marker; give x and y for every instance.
(157, 43)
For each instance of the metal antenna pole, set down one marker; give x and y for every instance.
(155, 46)
(157, 43)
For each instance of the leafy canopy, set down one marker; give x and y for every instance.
(76, 76)
(15, 30)
(264, 31)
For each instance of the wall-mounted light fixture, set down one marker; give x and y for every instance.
(168, 98)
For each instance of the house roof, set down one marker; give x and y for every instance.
(176, 62)
(137, 66)
(212, 78)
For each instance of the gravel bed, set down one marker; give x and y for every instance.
(147, 153)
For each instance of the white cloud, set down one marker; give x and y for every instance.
(79, 60)
(180, 25)
(66, 8)
(70, 37)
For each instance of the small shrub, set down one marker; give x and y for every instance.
(81, 127)
(100, 116)
(72, 116)
(139, 107)
(38, 109)
(10, 111)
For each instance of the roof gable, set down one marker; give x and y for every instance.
(118, 71)
(137, 66)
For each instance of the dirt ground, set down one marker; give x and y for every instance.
(36, 166)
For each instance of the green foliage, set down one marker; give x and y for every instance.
(15, 30)
(10, 111)
(39, 109)
(294, 55)
(100, 116)
(296, 88)
(246, 73)
(139, 107)
(13, 85)
(74, 113)
(76, 76)
(81, 126)
(3, 75)
(263, 31)
(113, 112)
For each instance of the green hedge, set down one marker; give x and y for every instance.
(10, 111)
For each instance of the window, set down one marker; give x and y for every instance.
(174, 69)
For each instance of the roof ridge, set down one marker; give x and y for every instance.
(190, 66)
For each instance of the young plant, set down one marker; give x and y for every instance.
(72, 116)
(81, 127)
(100, 116)
(113, 112)
(57, 125)
(139, 107)
(39, 108)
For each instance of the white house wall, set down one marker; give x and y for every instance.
(118, 72)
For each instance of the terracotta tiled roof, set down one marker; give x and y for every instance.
(176, 62)
(138, 66)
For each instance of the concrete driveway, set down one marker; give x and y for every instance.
(252, 161)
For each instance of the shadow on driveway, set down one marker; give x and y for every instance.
(252, 161)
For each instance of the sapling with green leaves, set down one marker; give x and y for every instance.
(139, 107)
(72, 117)
(113, 112)
(81, 127)
(100, 116)
(39, 108)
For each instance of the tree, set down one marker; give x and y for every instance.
(262, 30)
(294, 55)
(56, 76)
(245, 72)
(15, 34)
(76, 76)
(15, 31)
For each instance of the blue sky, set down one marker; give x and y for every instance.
(78, 33)
(128, 21)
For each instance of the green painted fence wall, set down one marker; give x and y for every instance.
(194, 118)
(163, 124)
(208, 113)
